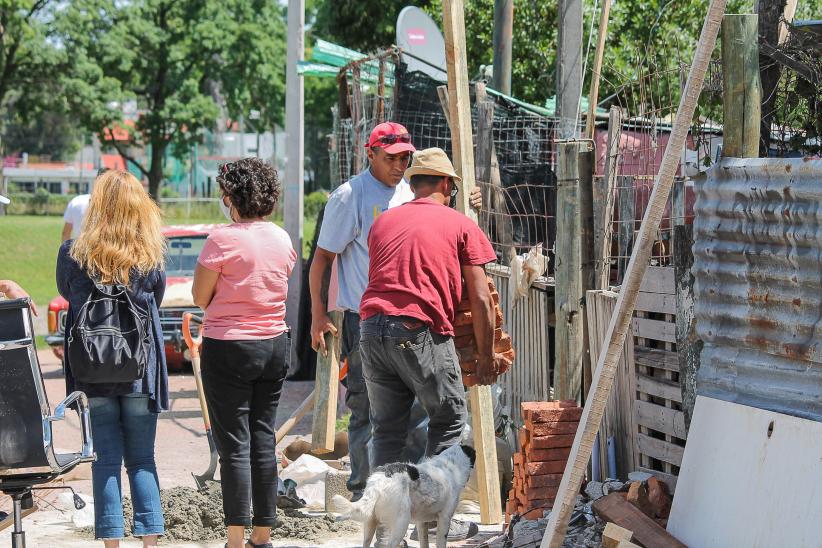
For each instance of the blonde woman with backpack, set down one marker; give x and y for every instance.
(117, 261)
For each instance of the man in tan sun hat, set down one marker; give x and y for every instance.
(420, 252)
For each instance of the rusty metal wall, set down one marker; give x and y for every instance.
(529, 378)
(758, 268)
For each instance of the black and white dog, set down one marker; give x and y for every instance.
(398, 494)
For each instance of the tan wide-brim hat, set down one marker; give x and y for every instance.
(431, 161)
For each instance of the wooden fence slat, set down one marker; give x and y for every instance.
(659, 303)
(659, 279)
(660, 449)
(656, 330)
(657, 359)
(660, 418)
(658, 388)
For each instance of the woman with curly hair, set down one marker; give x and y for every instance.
(241, 282)
(121, 243)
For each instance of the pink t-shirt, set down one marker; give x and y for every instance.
(254, 261)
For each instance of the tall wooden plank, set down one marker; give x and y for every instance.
(618, 328)
(326, 390)
(569, 67)
(482, 409)
(604, 201)
(627, 222)
(593, 92)
(741, 85)
(568, 275)
(586, 248)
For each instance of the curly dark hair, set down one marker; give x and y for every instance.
(252, 186)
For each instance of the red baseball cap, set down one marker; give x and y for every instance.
(392, 137)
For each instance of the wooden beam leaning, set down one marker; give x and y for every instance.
(620, 321)
(593, 93)
(482, 409)
(326, 390)
(742, 97)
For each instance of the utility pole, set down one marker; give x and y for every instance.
(569, 67)
(503, 45)
(293, 203)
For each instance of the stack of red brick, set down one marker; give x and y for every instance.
(545, 443)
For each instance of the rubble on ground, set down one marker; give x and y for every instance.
(193, 516)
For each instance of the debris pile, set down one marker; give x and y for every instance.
(192, 516)
(545, 443)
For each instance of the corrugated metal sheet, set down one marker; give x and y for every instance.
(529, 378)
(758, 269)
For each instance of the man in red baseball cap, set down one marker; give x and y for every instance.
(351, 210)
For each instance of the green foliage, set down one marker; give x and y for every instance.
(41, 202)
(49, 132)
(181, 62)
(314, 203)
(29, 58)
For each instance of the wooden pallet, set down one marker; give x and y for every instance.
(661, 433)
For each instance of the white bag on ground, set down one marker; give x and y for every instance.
(80, 518)
(309, 473)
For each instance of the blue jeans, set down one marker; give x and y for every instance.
(359, 424)
(124, 430)
(404, 362)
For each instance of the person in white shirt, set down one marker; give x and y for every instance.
(75, 212)
(73, 217)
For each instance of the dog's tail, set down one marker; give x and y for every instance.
(360, 510)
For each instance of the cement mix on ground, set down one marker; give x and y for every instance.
(193, 516)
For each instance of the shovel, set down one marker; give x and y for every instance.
(194, 348)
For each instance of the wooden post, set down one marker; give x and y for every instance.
(787, 17)
(326, 390)
(593, 93)
(569, 67)
(503, 38)
(586, 249)
(627, 222)
(626, 302)
(604, 201)
(742, 97)
(495, 220)
(482, 409)
(568, 352)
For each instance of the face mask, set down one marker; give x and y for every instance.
(226, 211)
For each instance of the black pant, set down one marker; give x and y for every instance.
(242, 382)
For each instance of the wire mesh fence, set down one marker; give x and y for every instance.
(519, 196)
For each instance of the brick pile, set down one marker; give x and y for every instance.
(465, 342)
(545, 444)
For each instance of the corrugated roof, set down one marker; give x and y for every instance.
(758, 269)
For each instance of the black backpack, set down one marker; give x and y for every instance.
(110, 340)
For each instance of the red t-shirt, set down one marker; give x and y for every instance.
(416, 252)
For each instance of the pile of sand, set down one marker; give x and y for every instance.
(193, 516)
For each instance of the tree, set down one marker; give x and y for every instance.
(184, 64)
(28, 60)
(363, 25)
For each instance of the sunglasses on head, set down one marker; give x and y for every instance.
(394, 138)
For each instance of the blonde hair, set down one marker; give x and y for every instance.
(121, 234)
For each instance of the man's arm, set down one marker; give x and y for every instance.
(319, 278)
(482, 313)
(67, 227)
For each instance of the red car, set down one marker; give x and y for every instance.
(184, 245)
